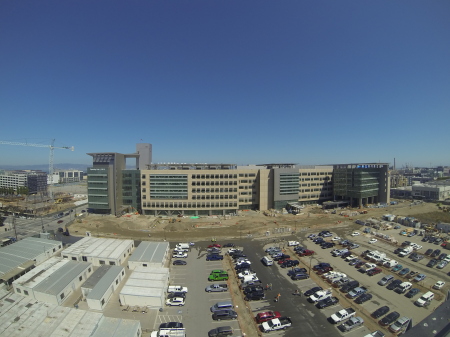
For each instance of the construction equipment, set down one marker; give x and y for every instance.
(51, 147)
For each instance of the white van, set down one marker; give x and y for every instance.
(267, 260)
(183, 246)
(424, 299)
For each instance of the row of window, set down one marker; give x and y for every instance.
(214, 183)
(315, 173)
(213, 190)
(184, 205)
(212, 197)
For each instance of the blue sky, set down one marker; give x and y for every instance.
(245, 82)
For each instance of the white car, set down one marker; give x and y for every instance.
(355, 233)
(179, 255)
(176, 301)
(438, 284)
(238, 262)
(373, 240)
(293, 243)
(336, 238)
(246, 273)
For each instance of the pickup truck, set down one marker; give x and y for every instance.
(174, 332)
(351, 323)
(276, 324)
(172, 289)
(246, 273)
(356, 292)
(213, 288)
(342, 315)
(319, 295)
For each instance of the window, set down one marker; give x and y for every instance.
(89, 270)
(54, 250)
(80, 278)
(18, 290)
(62, 295)
(112, 263)
(103, 301)
(101, 262)
(144, 265)
(65, 257)
(123, 273)
(25, 292)
(117, 281)
(74, 258)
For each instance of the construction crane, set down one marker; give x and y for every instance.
(51, 147)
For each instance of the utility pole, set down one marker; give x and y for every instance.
(14, 225)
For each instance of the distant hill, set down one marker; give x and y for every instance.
(44, 167)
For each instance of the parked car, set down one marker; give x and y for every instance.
(229, 245)
(221, 331)
(266, 316)
(404, 271)
(413, 292)
(171, 325)
(435, 253)
(354, 262)
(299, 277)
(224, 315)
(176, 294)
(179, 263)
(438, 285)
(296, 271)
(359, 264)
(373, 240)
(374, 271)
(289, 263)
(399, 324)
(327, 302)
(419, 278)
(441, 264)
(363, 298)
(429, 251)
(390, 318)
(432, 263)
(394, 284)
(255, 296)
(214, 257)
(312, 291)
(397, 268)
(175, 301)
(380, 312)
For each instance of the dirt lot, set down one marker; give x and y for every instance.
(247, 224)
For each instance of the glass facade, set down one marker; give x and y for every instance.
(97, 179)
(169, 186)
(289, 183)
(356, 182)
(131, 193)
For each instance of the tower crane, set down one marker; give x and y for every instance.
(51, 147)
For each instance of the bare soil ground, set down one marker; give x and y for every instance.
(246, 224)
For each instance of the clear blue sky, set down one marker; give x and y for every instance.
(246, 82)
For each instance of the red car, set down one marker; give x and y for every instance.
(282, 260)
(60, 221)
(306, 252)
(267, 316)
(215, 245)
(374, 271)
(323, 270)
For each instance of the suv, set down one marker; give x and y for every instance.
(255, 296)
(222, 276)
(385, 280)
(224, 314)
(214, 257)
(221, 331)
(400, 324)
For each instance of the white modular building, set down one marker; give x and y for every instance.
(23, 316)
(145, 287)
(54, 281)
(99, 287)
(149, 254)
(99, 251)
(21, 256)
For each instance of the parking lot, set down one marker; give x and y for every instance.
(381, 295)
(196, 314)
